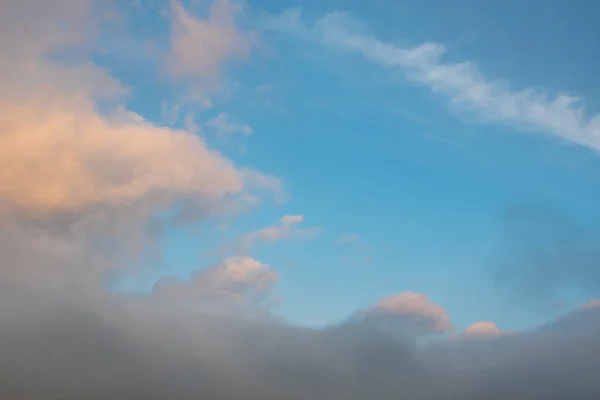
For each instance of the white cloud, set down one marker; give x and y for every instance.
(463, 83)
(225, 127)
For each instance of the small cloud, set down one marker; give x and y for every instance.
(482, 329)
(254, 179)
(235, 280)
(292, 219)
(349, 238)
(225, 127)
(169, 114)
(412, 313)
(285, 229)
(190, 124)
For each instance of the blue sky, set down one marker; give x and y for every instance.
(422, 174)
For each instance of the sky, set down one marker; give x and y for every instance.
(301, 171)
(419, 166)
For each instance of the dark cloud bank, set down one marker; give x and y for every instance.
(61, 347)
(62, 336)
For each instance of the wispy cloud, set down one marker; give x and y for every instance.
(224, 126)
(201, 46)
(286, 228)
(466, 87)
(349, 238)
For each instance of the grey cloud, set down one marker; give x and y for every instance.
(58, 347)
(544, 253)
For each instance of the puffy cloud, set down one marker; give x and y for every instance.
(84, 182)
(59, 153)
(413, 313)
(201, 47)
(67, 159)
(236, 280)
(482, 329)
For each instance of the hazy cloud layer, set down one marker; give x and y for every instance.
(544, 254)
(235, 281)
(65, 350)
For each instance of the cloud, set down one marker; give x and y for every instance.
(99, 161)
(412, 313)
(288, 220)
(225, 127)
(119, 349)
(482, 329)
(349, 238)
(59, 153)
(466, 87)
(236, 281)
(87, 186)
(543, 254)
(64, 335)
(595, 303)
(285, 229)
(200, 48)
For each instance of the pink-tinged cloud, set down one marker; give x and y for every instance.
(592, 304)
(58, 153)
(412, 312)
(234, 281)
(285, 229)
(482, 329)
(67, 158)
(201, 47)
